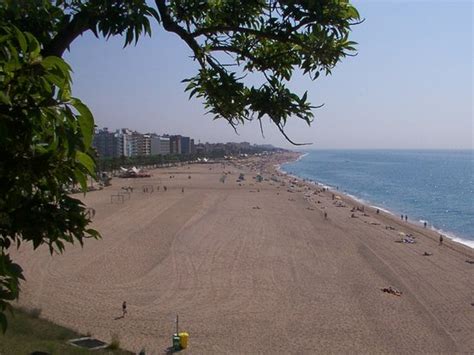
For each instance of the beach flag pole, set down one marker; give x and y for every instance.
(177, 322)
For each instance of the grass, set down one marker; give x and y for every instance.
(27, 333)
(115, 343)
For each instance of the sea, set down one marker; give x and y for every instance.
(436, 186)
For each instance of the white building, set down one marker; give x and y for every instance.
(160, 145)
(124, 142)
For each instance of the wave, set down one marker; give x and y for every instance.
(454, 237)
(358, 199)
(383, 209)
(368, 203)
(301, 156)
(469, 243)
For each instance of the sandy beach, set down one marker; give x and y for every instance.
(254, 267)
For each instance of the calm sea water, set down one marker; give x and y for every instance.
(432, 186)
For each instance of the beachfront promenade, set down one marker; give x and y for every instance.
(254, 268)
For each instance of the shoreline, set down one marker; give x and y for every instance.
(448, 234)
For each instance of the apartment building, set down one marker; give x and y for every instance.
(127, 143)
(105, 144)
(160, 145)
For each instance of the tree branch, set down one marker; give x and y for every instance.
(247, 54)
(80, 23)
(231, 49)
(171, 26)
(256, 33)
(288, 138)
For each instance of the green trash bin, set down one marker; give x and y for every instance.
(176, 342)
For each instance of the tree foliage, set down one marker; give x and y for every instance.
(45, 134)
(45, 146)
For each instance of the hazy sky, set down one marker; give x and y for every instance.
(410, 86)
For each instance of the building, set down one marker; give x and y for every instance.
(141, 144)
(105, 143)
(160, 145)
(185, 145)
(124, 142)
(200, 149)
(175, 144)
(146, 147)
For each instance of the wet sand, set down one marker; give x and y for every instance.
(254, 268)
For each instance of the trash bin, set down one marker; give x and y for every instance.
(183, 340)
(176, 342)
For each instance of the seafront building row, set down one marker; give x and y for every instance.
(127, 143)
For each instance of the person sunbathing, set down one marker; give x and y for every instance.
(392, 291)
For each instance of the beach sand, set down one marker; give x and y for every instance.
(253, 268)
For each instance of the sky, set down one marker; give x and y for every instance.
(409, 87)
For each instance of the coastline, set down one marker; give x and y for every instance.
(357, 200)
(253, 265)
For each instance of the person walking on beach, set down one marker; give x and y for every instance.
(441, 239)
(401, 217)
(424, 224)
(124, 309)
(406, 218)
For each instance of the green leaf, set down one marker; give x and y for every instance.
(81, 179)
(46, 85)
(3, 322)
(93, 233)
(21, 40)
(86, 161)
(34, 47)
(86, 122)
(16, 271)
(4, 98)
(56, 62)
(56, 80)
(128, 37)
